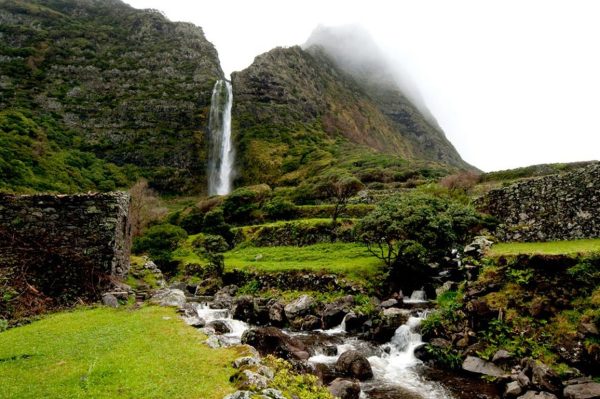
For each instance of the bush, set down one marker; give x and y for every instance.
(243, 204)
(410, 231)
(280, 209)
(214, 224)
(159, 242)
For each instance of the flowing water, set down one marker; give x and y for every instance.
(221, 152)
(398, 374)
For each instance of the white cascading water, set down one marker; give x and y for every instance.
(399, 365)
(221, 152)
(236, 327)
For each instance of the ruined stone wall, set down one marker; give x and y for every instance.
(557, 207)
(59, 249)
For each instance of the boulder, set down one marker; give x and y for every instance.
(480, 366)
(332, 315)
(354, 322)
(477, 247)
(501, 356)
(353, 364)
(169, 297)
(197, 322)
(110, 300)
(277, 314)
(245, 361)
(219, 326)
(344, 389)
(244, 309)
(272, 393)
(389, 303)
(586, 390)
(299, 307)
(513, 389)
(247, 379)
(240, 395)
(310, 323)
(537, 395)
(273, 341)
(543, 377)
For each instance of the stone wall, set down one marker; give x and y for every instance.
(558, 207)
(60, 249)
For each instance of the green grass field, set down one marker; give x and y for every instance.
(107, 353)
(546, 248)
(350, 260)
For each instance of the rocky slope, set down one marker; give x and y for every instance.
(297, 111)
(127, 85)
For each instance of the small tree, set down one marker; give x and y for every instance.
(145, 207)
(412, 230)
(213, 247)
(339, 188)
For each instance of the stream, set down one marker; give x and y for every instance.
(398, 374)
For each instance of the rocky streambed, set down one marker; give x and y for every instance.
(352, 364)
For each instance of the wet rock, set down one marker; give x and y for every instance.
(513, 389)
(333, 315)
(480, 366)
(353, 364)
(330, 350)
(523, 380)
(344, 389)
(273, 341)
(277, 314)
(299, 307)
(224, 297)
(110, 300)
(219, 327)
(586, 390)
(325, 372)
(169, 297)
(245, 361)
(209, 286)
(310, 322)
(198, 322)
(394, 317)
(355, 322)
(244, 308)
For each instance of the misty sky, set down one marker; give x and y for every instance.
(512, 83)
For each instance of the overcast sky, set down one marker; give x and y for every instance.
(512, 83)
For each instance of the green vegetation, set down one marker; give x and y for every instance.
(410, 231)
(106, 353)
(160, 241)
(293, 385)
(347, 259)
(571, 247)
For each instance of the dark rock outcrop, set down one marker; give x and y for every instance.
(353, 364)
(273, 341)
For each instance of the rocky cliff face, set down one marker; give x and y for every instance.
(292, 103)
(128, 85)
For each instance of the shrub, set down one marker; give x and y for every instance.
(159, 242)
(463, 181)
(214, 224)
(280, 209)
(243, 204)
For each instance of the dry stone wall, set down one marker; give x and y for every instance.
(558, 207)
(60, 249)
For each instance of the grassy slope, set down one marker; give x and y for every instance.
(106, 353)
(546, 248)
(351, 260)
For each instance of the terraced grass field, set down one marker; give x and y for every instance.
(347, 259)
(546, 248)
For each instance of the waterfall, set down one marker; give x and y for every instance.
(221, 153)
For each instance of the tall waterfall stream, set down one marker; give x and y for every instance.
(221, 152)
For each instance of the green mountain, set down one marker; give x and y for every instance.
(94, 93)
(298, 112)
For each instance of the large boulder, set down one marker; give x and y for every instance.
(219, 327)
(334, 312)
(299, 307)
(543, 377)
(344, 389)
(479, 366)
(273, 341)
(169, 297)
(353, 364)
(586, 390)
(277, 314)
(244, 309)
